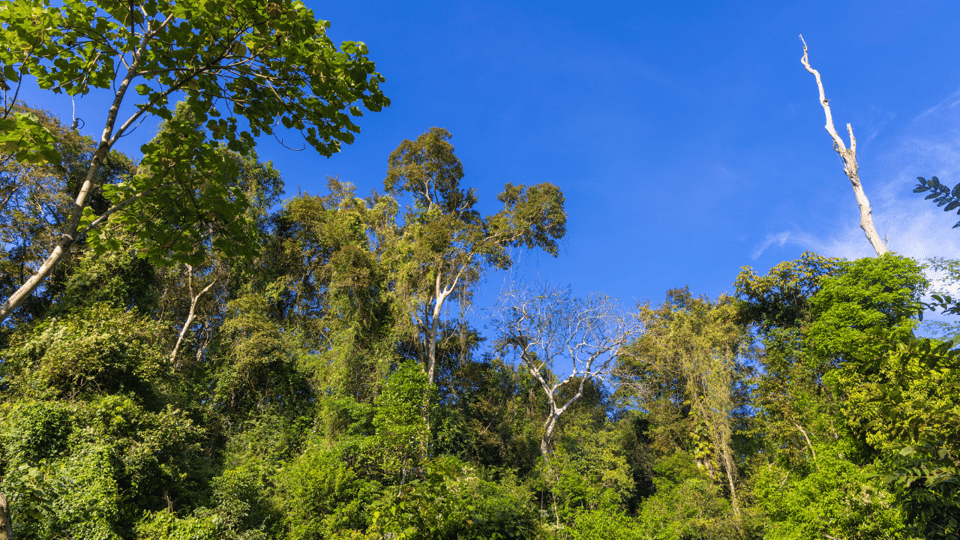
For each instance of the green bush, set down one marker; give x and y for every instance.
(321, 496)
(686, 504)
(163, 525)
(453, 501)
(605, 525)
(837, 498)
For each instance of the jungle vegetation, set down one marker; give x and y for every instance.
(184, 356)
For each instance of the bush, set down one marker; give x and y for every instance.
(686, 505)
(321, 496)
(453, 501)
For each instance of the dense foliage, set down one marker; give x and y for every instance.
(206, 363)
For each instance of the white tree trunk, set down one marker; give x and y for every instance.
(190, 316)
(850, 166)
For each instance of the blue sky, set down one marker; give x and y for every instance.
(687, 137)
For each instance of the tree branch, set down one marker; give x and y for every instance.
(192, 313)
(849, 156)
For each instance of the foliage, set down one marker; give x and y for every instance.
(444, 245)
(34, 204)
(74, 496)
(837, 499)
(322, 383)
(941, 194)
(24, 138)
(781, 299)
(901, 398)
(684, 369)
(897, 392)
(452, 500)
(184, 199)
(589, 473)
(88, 468)
(793, 407)
(322, 497)
(882, 292)
(948, 276)
(162, 525)
(265, 65)
(687, 504)
(340, 283)
(402, 419)
(100, 349)
(258, 367)
(211, 52)
(604, 524)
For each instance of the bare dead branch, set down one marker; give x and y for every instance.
(849, 156)
(550, 330)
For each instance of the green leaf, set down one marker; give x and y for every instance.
(24, 137)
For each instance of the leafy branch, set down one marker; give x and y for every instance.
(941, 194)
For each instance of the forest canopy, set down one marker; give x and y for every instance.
(185, 355)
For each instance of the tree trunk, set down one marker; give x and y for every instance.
(6, 524)
(69, 233)
(190, 316)
(731, 471)
(850, 167)
(547, 435)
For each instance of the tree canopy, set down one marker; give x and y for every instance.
(183, 355)
(238, 69)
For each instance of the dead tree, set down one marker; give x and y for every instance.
(563, 340)
(849, 156)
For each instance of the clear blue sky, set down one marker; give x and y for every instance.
(687, 137)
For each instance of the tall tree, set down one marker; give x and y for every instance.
(35, 201)
(444, 245)
(791, 400)
(689, 356)
(340, 287)
(267, 64)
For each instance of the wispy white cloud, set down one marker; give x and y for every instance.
(780, 239)
(848, 243)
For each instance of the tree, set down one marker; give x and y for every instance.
(90, 438)
(35, 201)
(264, 64)
(949, 278)
(838, 499)
(687, 359)
(790, 398)
(850, 167)
(444, 245)
(900, 397)
(897, 393)
(870, 294)
(341, 286)
(208, 284)
(552, 330)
